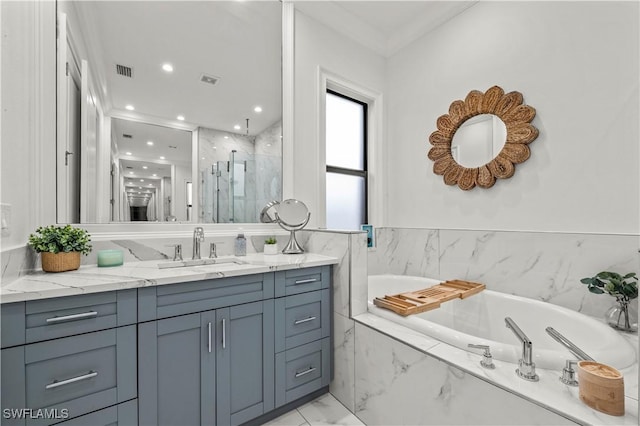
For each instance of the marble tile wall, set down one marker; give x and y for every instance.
(416, 388)
(349, 274)
(543, 266)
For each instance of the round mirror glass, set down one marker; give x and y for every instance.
(292, 212)
(268, 213)
(478, 140)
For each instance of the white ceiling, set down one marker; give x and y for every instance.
(238, 42)
(383, 26)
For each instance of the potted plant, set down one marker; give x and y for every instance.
(624, 289)
(60, 246)
(271, 246)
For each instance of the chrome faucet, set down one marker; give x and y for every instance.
(198, 237)
(579, 353)
(526, 367)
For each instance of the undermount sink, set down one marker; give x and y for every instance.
(201, 262)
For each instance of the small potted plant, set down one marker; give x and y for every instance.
(60, 246)
(624, 289)
(271, 246)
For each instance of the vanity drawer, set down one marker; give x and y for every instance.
(302, 280)
(302, 370)
(125, 414)
(301, 319)
(66, 316)
(197, 296)
(80, 374)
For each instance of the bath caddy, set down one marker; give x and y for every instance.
(414, 302)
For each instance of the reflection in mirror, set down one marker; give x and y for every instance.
(152, 172)
(479, 140)
(206, 69)
(239, 173)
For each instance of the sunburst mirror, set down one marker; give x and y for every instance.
(502, 119)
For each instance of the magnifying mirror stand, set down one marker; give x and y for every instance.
(292, 246)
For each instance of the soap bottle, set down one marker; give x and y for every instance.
(241, 245)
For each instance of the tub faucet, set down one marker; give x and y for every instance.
(526, 367)
(198, 237)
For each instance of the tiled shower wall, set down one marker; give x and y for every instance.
(537, 265)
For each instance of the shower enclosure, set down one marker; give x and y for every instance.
(234, 189)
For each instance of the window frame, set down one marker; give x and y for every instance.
(364, 173)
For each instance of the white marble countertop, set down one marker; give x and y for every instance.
(93, 279)
(549, 392)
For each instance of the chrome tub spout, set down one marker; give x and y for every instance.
(579, 353)
(526, 367)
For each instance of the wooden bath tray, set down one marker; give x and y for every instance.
(414, 302)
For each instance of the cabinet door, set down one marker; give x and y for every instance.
(245, 362)
(177, 370)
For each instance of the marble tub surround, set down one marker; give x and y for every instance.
(539, 265)
(349, 295)
(92, 279)
(428, 382)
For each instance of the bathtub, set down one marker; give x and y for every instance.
(479, 319)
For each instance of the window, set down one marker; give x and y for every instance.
(346, 159)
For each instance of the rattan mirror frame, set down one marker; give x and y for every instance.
(517, 118)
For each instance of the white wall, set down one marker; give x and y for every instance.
(28, 130)
(317, 46)
(577, 64)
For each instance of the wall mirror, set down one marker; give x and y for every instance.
(482, 138)
(168, 110)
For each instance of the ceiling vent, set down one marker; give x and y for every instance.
(124, 71)
(126, 136)
(209, 79)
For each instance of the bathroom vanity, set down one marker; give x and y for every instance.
(142, 345)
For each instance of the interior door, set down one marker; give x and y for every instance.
(88, 148)
(68, 137)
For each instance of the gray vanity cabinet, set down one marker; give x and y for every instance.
(213, 367)
(176, 358)
(303, 330)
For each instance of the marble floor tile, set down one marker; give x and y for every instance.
(326, 410)
(292, 418)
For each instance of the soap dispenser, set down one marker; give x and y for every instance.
(241, 245)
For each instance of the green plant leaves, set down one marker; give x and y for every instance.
(57, 239)
(614, 284)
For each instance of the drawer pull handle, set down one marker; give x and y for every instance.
(307, 281)
(73, 317)
(56, 383)
(224, 334)
(305, 372)
(302, 321)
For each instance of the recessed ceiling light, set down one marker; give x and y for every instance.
(237, 127)
(180, 117)
(268, 144)
(141, 180)
(128, 153)
(130, 107)
(226, 137)
(154, 174)
(162, 158)
(215, 147)
(167, 67)
(150, 143)
(258, 109)
(203, 158)
(145, 167)
(131, 173)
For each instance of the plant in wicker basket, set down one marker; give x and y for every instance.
(60, 246)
